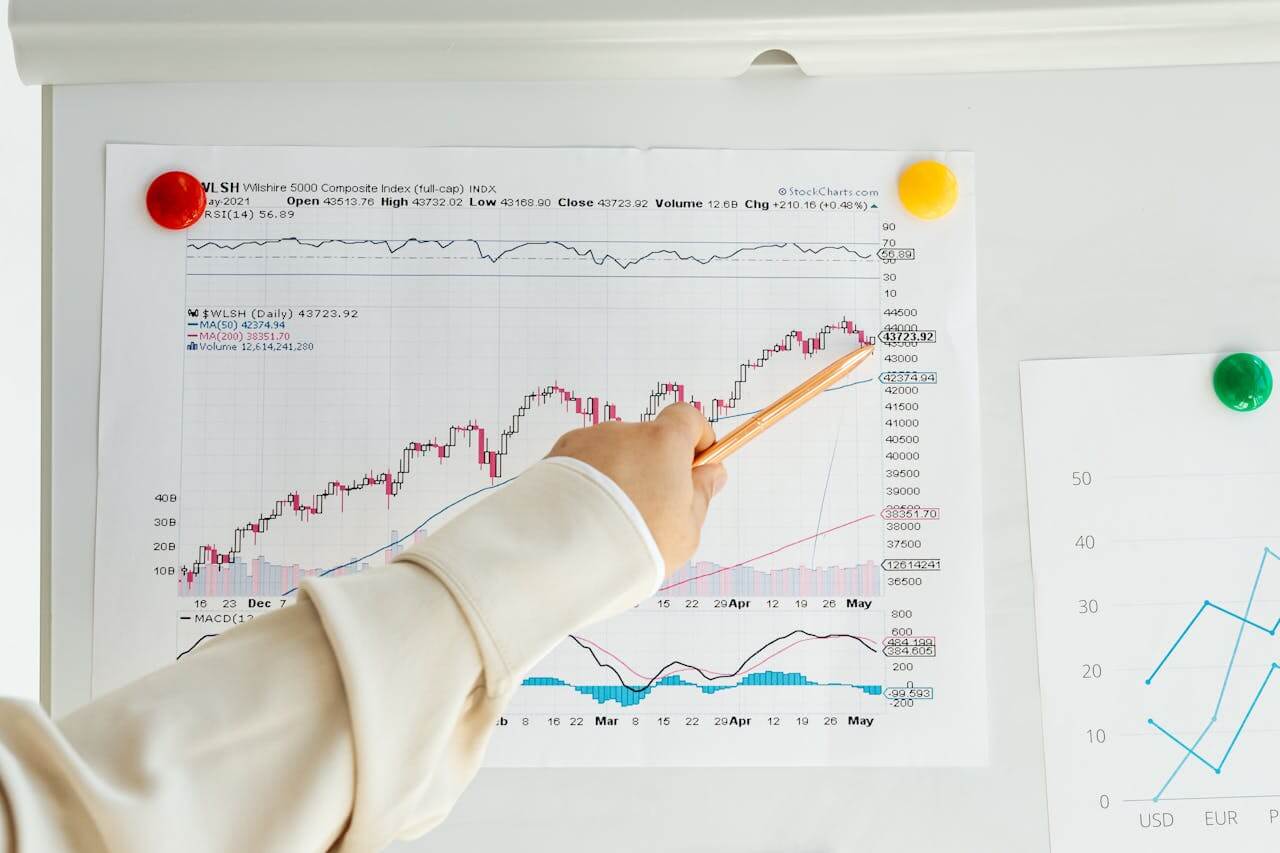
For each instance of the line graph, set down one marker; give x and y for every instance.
(631, 686)
(572, 249)
(765, 653)
(315, 378)
(1153, 531)
(1245, 622)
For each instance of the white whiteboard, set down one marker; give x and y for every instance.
(1119, 212)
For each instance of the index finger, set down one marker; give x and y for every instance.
(690, 422)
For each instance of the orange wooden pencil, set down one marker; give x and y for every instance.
(783, 406)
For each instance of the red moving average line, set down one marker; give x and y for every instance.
(739, 565)
(592, 409)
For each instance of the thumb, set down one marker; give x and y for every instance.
(708, 480)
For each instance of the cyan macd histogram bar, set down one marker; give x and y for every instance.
(628, 696)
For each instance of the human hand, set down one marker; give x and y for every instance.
(651, 463)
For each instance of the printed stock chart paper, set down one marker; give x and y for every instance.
(354, 345)
(1154, 540)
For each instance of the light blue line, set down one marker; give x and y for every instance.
(822, 504)
(1183, 763)
(1244, 620)
(1248, 609)
(1191, 750)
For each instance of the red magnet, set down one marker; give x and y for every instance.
(176, 200)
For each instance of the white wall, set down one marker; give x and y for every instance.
(19, 380)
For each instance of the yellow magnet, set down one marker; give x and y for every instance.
(928, 189)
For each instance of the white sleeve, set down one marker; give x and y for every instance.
(349, 719)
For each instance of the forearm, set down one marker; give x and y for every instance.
(353, 717)
(247, 739)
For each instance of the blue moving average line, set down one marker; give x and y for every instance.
(433, 516)
(470, 495)
(1192, 751)
(599, 259)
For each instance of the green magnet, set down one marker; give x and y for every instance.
(1242, 381)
